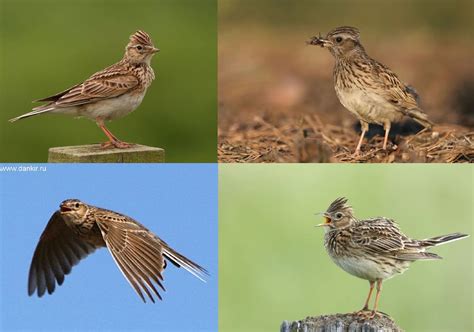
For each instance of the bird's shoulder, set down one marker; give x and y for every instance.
(118, 69)
(376, 226)
(110, 219)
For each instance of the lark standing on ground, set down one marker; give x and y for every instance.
(108, 94)
(77, 229)
(373, 249)
(367, 88)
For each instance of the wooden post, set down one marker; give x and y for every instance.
(94, 153)
(342, 323)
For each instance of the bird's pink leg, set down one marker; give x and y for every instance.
(113, 141)
(365, 127)
(387, 130)
(377, 296)
(366, 305)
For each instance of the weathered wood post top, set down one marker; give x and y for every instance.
(94, 153)
(351, 322)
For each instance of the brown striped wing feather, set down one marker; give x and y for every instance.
(109, 83)
(382, 236)
(391, 88)
(140, 254)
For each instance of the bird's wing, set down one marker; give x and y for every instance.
(140, 254)
(55, 97)
(380, 236)
(389, 86)
(137, 252)
(108, 83)
(58, 250)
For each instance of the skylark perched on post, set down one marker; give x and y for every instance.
(367, 88)
(108, 94)
(77, 229)
(373, 249)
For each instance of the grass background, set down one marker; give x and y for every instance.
(272, 261)
(47, 46)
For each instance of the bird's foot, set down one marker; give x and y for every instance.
(365, 313)
(356, 153)
(115, 144)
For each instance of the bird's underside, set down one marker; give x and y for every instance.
(140, 255)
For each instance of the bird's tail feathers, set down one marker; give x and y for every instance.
(419, 116)
(414, 256)
(181, 261)
(36, 111)
(438, 240)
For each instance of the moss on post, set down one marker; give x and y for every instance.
(94, 153)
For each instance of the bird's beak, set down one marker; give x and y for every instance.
(64, 208)
(327, 220)
(155, 50)
(319, 41)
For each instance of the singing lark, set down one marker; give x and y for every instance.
(77, 229)
(373, 249)
(367, 88)
(108, 94)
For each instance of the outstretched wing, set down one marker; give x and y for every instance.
(139, 254)
(58, 250)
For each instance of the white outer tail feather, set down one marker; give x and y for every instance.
(32, 113)
(194, 270)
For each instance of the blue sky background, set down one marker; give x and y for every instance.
(176, 202)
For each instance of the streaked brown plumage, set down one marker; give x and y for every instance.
(373, 249)
(77, 229)
(110, 93)
(367, 88)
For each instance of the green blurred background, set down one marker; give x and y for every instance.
(272, 261)
(48, 46)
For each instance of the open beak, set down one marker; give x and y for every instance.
(327, 220)
(64, 208)
(319, 41)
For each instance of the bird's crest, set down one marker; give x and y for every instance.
(346, 30)
(338, 205)
(141, 37)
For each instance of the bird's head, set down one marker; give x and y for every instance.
(73, 210)
(140, 49)
(338, 215)
(341, 41)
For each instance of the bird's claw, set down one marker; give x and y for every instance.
(115, 144)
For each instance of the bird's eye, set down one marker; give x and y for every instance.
(338, 39)
(139, 47)
(77, 205)
(339, 215)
